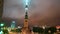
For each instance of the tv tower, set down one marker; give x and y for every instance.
(26, 29)
(26, 13)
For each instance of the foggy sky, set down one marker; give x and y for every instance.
(41, 12)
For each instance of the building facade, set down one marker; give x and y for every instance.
(13, 24)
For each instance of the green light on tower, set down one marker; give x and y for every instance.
(27, 1)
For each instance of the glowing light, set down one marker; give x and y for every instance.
(1, 32)
(57, 27)
(13, 24)
(26, 8)
(13, 21)
(19, 27)
(27, 2)
(43, 27)
(1, 24)
(49, 31)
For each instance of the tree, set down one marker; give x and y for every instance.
(5, 31)
(52, 29)
(38, 29)
(18, 30)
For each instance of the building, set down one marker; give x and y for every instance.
(13, 24)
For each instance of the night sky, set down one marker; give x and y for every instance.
(41, 12)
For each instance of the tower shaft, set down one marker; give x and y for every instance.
(26, 20)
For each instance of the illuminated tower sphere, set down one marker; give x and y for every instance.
(13, 24)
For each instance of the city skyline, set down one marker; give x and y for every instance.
(41, 12)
